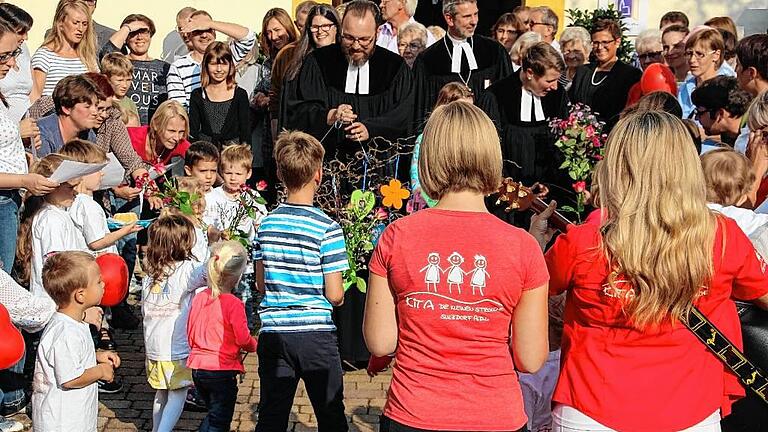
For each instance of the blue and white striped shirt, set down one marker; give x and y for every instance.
(298, 245)
(184, 74)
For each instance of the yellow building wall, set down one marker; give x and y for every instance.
(163, 12)
(296, 2)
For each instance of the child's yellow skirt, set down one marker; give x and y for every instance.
(168, 375)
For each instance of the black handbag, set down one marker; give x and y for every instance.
(754, 332)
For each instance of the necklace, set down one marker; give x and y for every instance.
(450, 55)
(601, 81)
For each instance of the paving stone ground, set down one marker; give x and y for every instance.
(131, 409)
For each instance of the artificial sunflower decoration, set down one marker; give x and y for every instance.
(393, 194)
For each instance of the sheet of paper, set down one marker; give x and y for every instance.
(154, 174)
(69, 170)
(114, 173)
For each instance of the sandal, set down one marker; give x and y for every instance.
(106, 343)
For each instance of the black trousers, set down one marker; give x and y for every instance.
(219, 391)
(286, 358)
(389, 425)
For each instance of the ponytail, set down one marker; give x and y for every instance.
(226, 266)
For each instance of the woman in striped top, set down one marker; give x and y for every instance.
(69, 48)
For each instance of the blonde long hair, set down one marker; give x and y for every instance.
(86, 49)
(165, 112)
(658, 233)
(226, 266)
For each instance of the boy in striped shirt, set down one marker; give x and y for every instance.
(184, 74)
(300, 256)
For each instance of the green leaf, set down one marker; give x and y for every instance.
(260, 200)
(362, 202)
(185, 208)
(361, 285)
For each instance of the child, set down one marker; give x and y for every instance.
(729, 178)
(202, 162)
(88, 215)
(172, 277)
(119, 70)
(297, 339)
(45, 226)
(222, 203)
(217, 332)
(193, 187)
(219, 111)
(65, 395)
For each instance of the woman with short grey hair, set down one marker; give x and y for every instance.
(411, 41)
(525, 41)
(575, 45)
(649, 48)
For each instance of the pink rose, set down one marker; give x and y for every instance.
(580, 186)
(381, 214)
(589, 130)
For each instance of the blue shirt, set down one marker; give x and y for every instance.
(297, 246)
(51, 138)
(689, 85)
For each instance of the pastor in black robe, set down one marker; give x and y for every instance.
(608, 98)
(527, 147)
(385, 110)
(432, 70)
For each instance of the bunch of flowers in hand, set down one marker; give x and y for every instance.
(183, 201)
(581, 141)
(237, 221)
(147, 185)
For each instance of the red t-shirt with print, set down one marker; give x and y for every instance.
(456, 277)
(658, 379)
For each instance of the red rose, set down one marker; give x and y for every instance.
(580, 186)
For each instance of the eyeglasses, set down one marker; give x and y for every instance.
(698, 114)
(604, 44)
(697, 54)
(139, 32)
(364, 42)
(7, 56)
(323, 28)
(649, 55)
(413, 46)
(534, 23)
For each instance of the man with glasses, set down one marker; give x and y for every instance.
(544, 21)
(397, 13)
(720, 106)
(351, 92)
(76, 100)
(461, 55)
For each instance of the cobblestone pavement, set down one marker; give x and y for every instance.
(131, 409)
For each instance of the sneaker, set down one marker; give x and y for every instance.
(10, 411)
(194, 403)
(114, 386)
(123, 318)
(10, 425)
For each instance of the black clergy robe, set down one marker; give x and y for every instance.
(608, 98)
(527, 147)
(385, 110)
(432, 70)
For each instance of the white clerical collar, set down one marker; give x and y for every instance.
(459, 46)
(526, 101)
(358, 79)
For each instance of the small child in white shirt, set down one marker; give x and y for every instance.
(45, 226)
(173, 275)
(86, 213)
(65, 396)
(729, 178)
(222, 204)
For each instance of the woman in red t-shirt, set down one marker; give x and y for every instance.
(165, 137)
(631, 271)
(457, 294)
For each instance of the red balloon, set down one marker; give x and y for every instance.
(658, 77)
(114, 273)
(11, 342)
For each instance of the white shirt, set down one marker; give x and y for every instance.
(220, 210)
(200, 248)
(388, 39)
(55, 67)
(90, 219)
(746, 219)
(52, 231)
(165, 308)
(12, 159)
(17, 85)
(65, 352)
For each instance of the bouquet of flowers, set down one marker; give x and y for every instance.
(182, 200)
(251, 206)
(362, 226)
(580, 140)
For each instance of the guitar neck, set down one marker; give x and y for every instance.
(557, 220)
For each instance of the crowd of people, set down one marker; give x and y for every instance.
(581, 330)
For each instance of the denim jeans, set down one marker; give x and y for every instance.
(219, 391)
(12, 384)
(9, 227)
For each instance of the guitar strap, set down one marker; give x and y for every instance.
(751, 376)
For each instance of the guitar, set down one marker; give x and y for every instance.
(521, 198)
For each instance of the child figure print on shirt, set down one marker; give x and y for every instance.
(455, 273)
(479, 275)
(432, 271)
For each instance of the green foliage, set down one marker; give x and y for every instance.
(587, 18)
(357, 222)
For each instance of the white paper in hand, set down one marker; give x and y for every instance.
(70, 170)
(114, 173)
